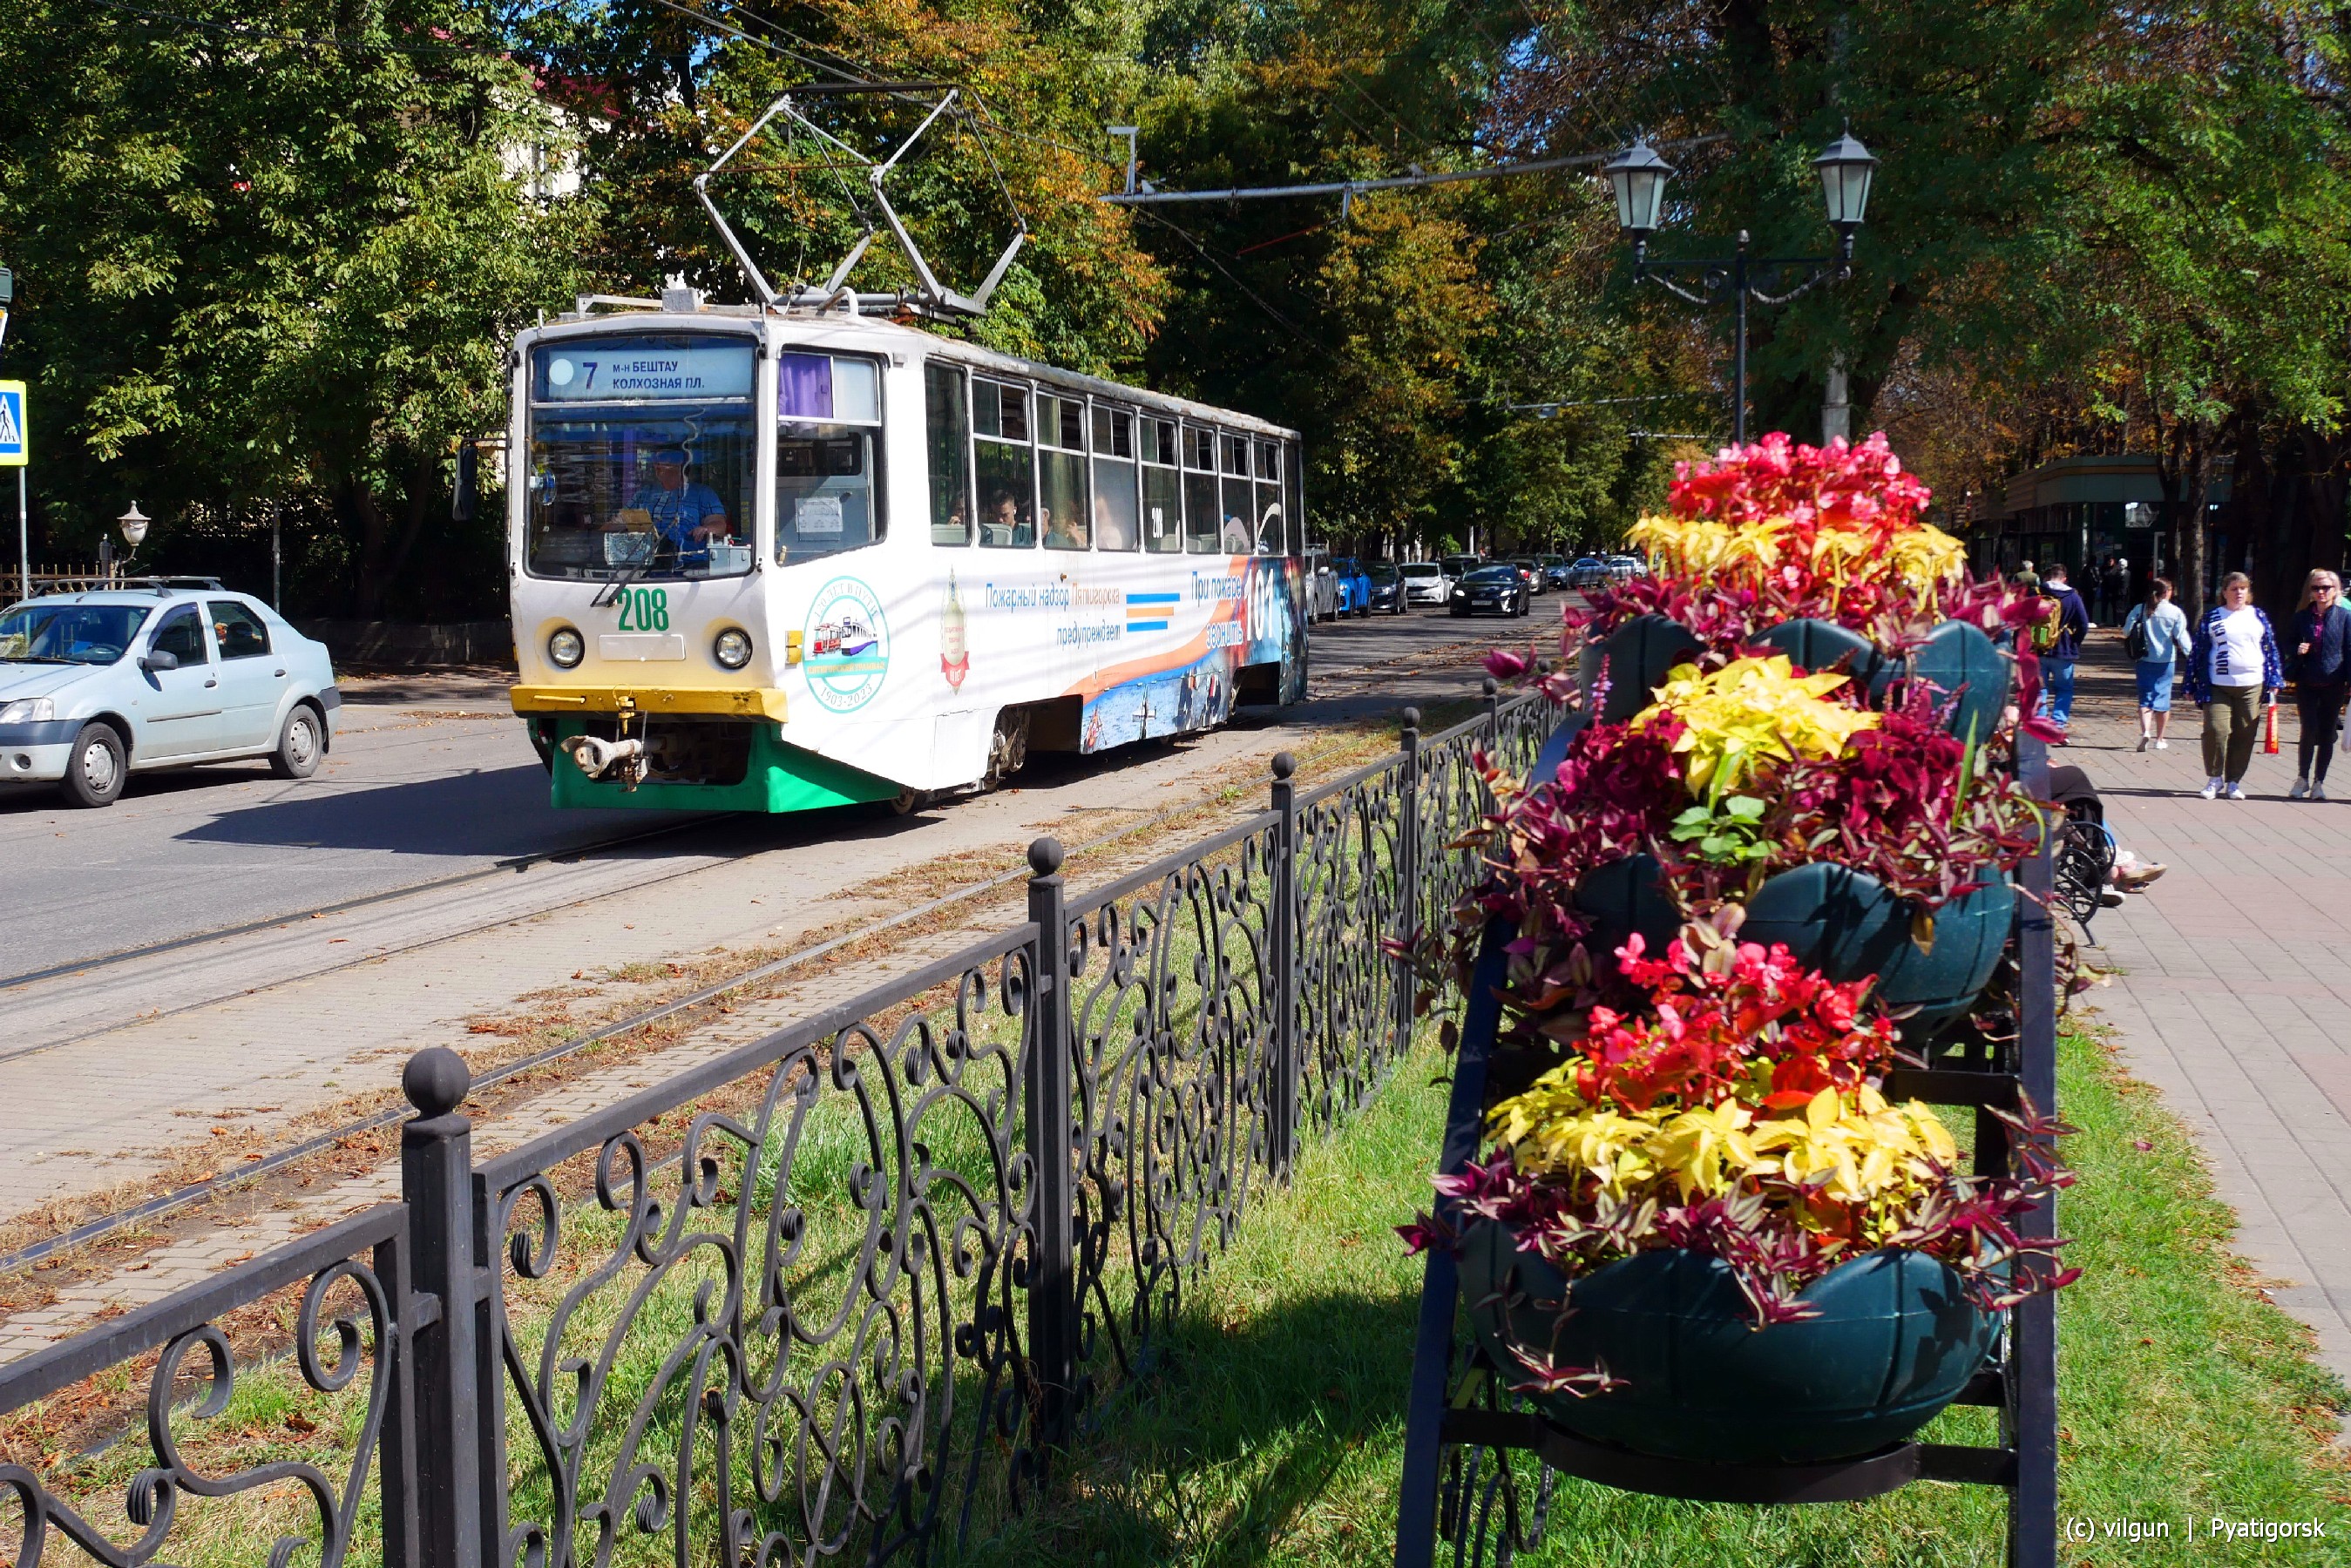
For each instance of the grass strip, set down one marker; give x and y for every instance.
(1275, 1435)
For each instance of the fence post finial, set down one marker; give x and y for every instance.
(436, 1466)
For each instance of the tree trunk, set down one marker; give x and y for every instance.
(2184, 466)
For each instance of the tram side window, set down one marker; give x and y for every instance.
(1062, 473)
(1163, 488)
(1238, 525)
(1115, 527)
(828, 455)
(1272, 519)
(1002, 462)
(949, 437)
(1201, 534)
(1293, 484)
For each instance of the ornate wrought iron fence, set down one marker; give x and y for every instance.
(839, 1294)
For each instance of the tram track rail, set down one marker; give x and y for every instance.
(507, 865)
(168, 1205)
(191, 1195)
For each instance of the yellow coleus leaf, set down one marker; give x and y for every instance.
(1750, 712)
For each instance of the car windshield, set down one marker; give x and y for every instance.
(1420, 569)
(1383, 573)
(69, 634)
(1498, 574)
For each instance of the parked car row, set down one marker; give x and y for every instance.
(1343, 586)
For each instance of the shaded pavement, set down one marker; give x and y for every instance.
(2235, 996)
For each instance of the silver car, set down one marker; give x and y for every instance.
(96, 686)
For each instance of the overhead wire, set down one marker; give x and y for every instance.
(1254, 298)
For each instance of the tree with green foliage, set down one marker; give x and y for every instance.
(267, 263)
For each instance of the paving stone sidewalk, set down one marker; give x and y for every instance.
(2235, 998)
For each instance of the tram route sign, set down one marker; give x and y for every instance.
(15, 439)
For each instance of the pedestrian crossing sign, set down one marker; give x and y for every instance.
(12, 441)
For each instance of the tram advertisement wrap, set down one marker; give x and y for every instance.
(1250, 613)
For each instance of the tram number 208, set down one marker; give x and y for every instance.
(643, 609)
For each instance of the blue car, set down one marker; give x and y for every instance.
(1354, 587)
(96, 686)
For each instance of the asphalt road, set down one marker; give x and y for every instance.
(429, 779)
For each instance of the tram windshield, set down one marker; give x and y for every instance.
(642, 496)
(641, 458)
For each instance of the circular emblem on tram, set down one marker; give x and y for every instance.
(848, 646)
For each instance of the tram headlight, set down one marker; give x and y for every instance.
(732, 649)
(566, 648)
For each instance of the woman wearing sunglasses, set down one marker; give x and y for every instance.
(2320, 636)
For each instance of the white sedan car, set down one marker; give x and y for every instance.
(1426, 583)
(96, 686)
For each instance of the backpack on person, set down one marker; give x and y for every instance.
(2134, 633)
(2045, 630)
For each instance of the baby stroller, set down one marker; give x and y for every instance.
(2086, 847)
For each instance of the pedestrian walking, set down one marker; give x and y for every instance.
(2319, 637)
(2057, 660)
(2233, 673)
(2117, 587)
(2156, 636)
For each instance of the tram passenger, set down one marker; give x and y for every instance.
(687, 513)
(1109, 535)
(1062, 533)
(1001, 523)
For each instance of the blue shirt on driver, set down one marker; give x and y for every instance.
(677, 513)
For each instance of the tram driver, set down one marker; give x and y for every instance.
(687, 513)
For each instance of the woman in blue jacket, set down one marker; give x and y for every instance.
(2319, 636)
(2232, 674)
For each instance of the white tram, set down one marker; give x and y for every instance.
(771, 561)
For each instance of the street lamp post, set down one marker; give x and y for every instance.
(133, 524)
(1638, 175)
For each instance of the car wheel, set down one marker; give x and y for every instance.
(299, 746)
(95, 769)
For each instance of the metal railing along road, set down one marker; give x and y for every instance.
(841, 1293)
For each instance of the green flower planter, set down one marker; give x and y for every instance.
(1895, 1340)
(1637, 655)
(1839, 921)
(1815, 645)
(1846, 925)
